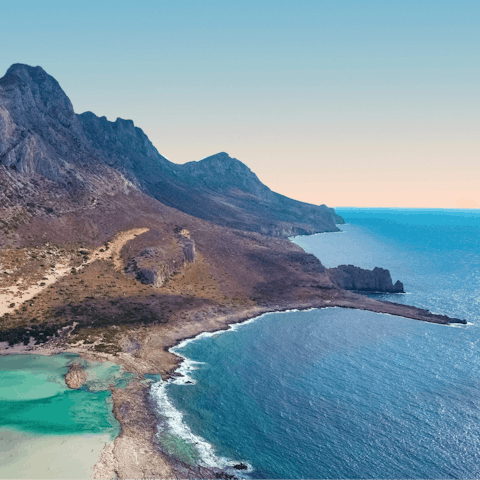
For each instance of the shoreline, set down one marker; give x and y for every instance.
(138, 415)
(230, 322)
(376, 306)
(180, 375)
(136, 451)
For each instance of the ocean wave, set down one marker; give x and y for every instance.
(173, 418)
(174, 423)
(461, 325)
(176, 426)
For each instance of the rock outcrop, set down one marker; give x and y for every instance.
(350, 277)
(76, 376)
(154, 265)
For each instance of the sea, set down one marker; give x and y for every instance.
(341, 393)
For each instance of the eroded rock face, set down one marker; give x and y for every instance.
(362, 280)
(154, 265)
(39, 130)
(76, 376)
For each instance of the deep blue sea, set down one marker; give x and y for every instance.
(339, 393)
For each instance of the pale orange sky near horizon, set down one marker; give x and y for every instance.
(442, 175)
(365, 103)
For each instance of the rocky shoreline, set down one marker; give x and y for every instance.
(136, 452)
(147, 415)
(115, 330)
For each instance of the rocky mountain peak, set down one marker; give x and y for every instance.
(40, 134)
(34, 89)
(223, 172)
(39, 130)
(121, 142)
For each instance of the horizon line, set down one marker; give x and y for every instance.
(408, 208)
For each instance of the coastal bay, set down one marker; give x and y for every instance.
(147, 353)
(360, 394)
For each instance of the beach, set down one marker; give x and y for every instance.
(49, 457)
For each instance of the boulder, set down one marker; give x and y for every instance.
(76, 376)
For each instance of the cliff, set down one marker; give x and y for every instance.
(350, 277)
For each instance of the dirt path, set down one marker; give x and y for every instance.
(115, 247)
(23, 291)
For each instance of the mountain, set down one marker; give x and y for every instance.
(41, 134)
(109, 250)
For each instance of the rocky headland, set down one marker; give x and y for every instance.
(109, 250)
(358, 279)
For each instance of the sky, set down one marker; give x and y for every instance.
(343, 102)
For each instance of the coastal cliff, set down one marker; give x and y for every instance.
(377, 280)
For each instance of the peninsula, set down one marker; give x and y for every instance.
(109, 250)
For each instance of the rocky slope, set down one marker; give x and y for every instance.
(87, 156)
(219, 188)
(156, 264)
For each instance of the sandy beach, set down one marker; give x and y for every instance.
(45, 457)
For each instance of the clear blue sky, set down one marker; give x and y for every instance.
(367, 103)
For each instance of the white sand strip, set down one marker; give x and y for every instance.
(41, 457)
(19, 295)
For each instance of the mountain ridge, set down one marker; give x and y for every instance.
(41, 133)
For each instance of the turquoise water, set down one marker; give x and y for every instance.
(34, 398)
(338, 393)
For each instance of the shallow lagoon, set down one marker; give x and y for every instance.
(48, 430)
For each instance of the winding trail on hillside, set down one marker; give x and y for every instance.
(23, 291)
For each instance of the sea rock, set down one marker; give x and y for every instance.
(351, 277)
(76, 376)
